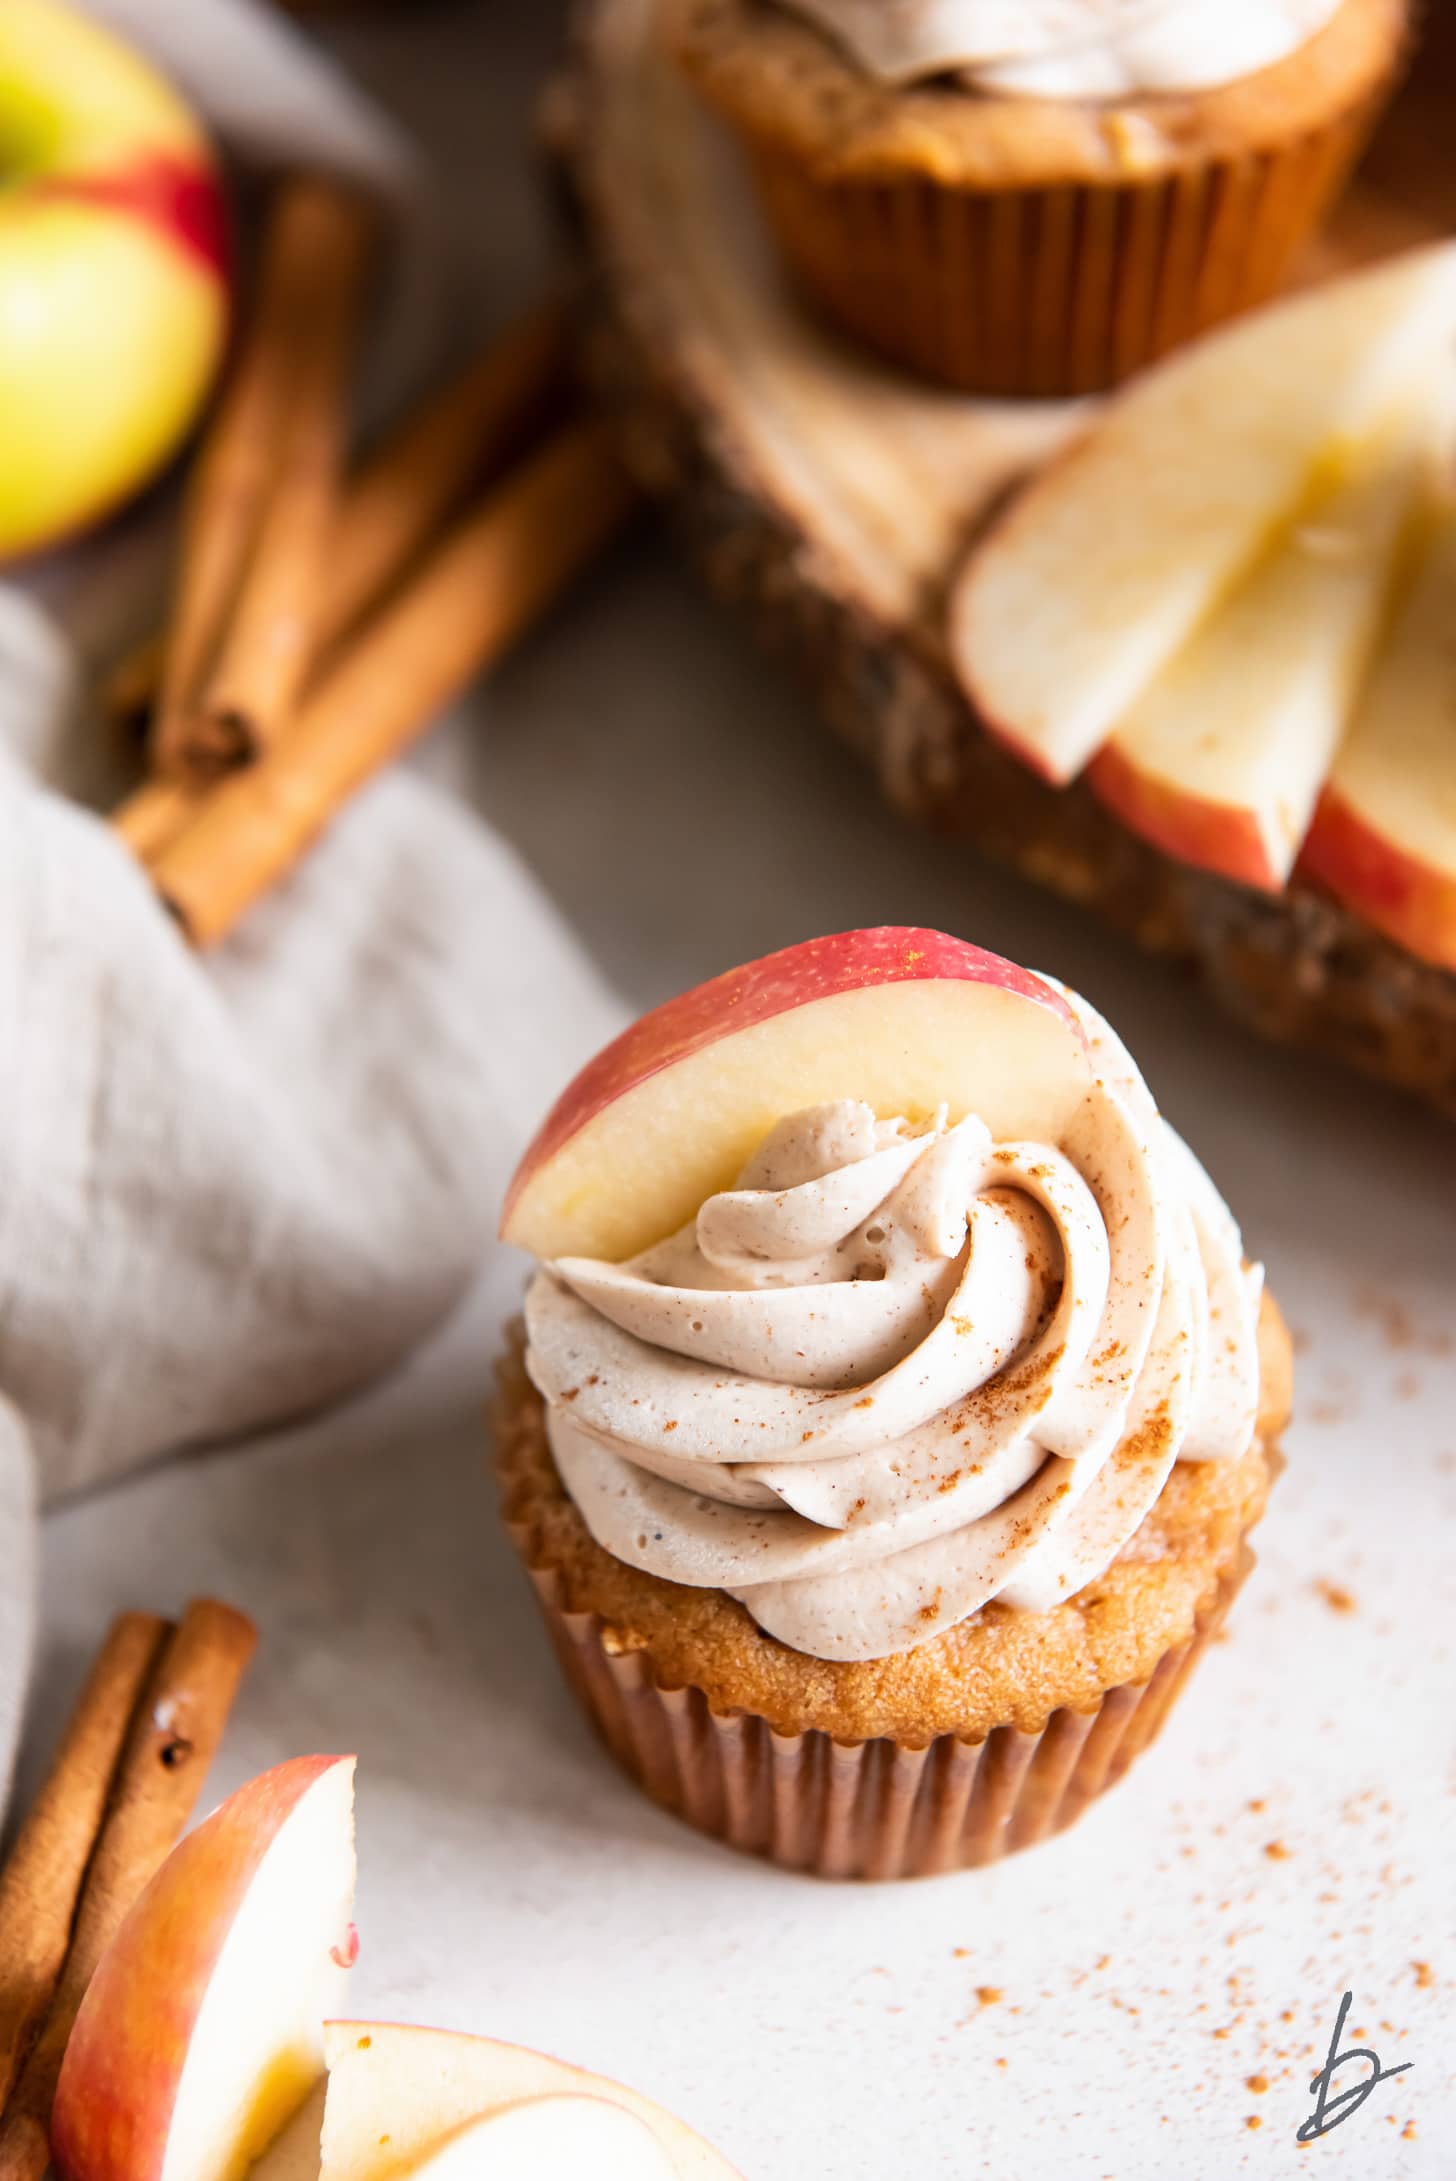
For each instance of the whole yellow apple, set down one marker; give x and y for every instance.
(113, 272)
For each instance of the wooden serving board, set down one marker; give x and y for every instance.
(834, 500)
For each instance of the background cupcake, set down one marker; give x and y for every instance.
(1040, 199)
(879, 1505)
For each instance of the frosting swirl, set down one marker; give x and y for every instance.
(897, 1372)
(1093, 49)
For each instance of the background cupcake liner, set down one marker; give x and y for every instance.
(1053, 291)
(874, 1809)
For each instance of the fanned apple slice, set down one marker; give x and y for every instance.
(1108, 562)
(202, 2030)
(906, 1020)
(398, 2096)
(1384, 835)
(1221, 760)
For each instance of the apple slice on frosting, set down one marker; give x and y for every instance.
(202, 2030)
(907, 1020)
(1384, 835)
(1115, 556)
(1221, 760)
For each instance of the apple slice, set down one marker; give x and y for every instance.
(1221, 760)
(545, 2137)
(1384, 834)
(398, 2096)
(294, 2155)
(907, 1020)
(1106, 564)
(202, 2030)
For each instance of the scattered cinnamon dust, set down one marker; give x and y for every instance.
(1398, 1328)
(1335, 1595)
(1425, 1975)
(988, 1994)
(1277, 1852)
(1257, 2083)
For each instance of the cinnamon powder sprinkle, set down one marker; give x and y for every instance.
(988, 1994)
(1425, 1975)
(1277, 1852)
(1335, 1595)
(1257, 2083)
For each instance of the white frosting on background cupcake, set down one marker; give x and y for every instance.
(1071, 49)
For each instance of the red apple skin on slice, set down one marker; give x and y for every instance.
(1408, 898)
(904, 1018)
(1218, 836)
(172, 1993)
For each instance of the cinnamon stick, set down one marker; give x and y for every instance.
(322, 250)
(164, 1762)
(224, 502)
(130, 689)
(41, 1883)
(155, 813)
(422, 470)
(481, 588)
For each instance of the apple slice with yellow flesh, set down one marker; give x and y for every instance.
(904, 1019)
(1221, 760)
(544, 2138)
(202, 2030)
(294, 2154)
(399, 2098)
(1105, 566)
(1384, 834)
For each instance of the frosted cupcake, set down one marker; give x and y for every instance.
(893, 1405)
(1040, 196)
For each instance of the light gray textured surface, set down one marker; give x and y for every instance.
(685, 812)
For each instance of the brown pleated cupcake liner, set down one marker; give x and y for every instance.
(872, 1809)
(1052, 291)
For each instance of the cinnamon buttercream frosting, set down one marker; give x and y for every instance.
(1069, 49)
(898, 1371)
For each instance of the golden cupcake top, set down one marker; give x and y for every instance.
(794, 86)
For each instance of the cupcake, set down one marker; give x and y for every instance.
(1039, 198)
(893, 1404)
